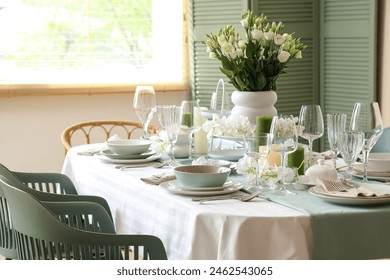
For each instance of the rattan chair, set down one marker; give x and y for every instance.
(98, 131)
(40, 235)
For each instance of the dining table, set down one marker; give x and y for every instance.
(269, 227)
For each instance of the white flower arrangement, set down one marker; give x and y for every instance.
(269, 175)
(228, 126)
(160, 142)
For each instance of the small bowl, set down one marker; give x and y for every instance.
(379, 162)
(201, 176)
(128, 146)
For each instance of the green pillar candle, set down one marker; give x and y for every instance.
(263, 124)
(296, 159)
(187, 119)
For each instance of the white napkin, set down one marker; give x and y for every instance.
(157, 179)
(92, 151)
(360, 191)
(373, 173)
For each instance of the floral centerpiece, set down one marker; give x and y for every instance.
(228, 126)
(254, 64)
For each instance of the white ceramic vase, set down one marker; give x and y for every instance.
(254, 103)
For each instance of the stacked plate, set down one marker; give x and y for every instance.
(128, 151)
(378, 167)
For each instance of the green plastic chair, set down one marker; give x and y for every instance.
(98, 219)
(40, 235)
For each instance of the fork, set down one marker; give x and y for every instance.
(339, 186)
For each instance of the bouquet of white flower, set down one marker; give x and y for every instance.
(228, 126)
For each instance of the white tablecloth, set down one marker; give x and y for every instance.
(217, 230)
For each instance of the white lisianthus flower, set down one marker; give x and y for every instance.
(231, 126)
(298, 54)
(233, 54)
(278, 39)
(160, 142)
(241, 44)
(244, 23)
(221, 40)
(283, 56)
(257, 34)
(287, 37)
(269, 35)
(246, 166)
(212, 55)
(239, 52)
(227, 48)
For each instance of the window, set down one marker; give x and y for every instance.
(87, 44)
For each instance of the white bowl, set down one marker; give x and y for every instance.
(128, 146)
(201, 176)
(379, 162)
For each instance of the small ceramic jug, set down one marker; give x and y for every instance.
(321, 170)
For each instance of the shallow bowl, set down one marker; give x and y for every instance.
(201, 176)
(379, 162)
(128, 146)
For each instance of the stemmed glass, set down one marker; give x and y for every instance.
(350, 145)
(366, 118)
(310, 118)
(284, 142)
(143, 103)
(257, 147)
(169, 118)
(336, 124)
(190, 111)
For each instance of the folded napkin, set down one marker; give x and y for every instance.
(157, 179)
(359, 170)
(359, 191)
(91, 152)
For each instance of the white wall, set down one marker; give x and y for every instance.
(31, 126)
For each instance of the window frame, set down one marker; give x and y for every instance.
(14, 90)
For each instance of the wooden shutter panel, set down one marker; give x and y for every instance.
(208, 17)
(348, 55)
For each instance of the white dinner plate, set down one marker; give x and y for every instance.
(318, 191)
(110, 154)
(227, 154)
(176, 183)
(143, 160)
(236, 186)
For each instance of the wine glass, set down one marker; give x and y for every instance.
(366, 118)
(310, 118)
(143, 103)
(350, 144)
(336, 124)
(190, 111)
(284, 142)
(257, 146)
(169, 118)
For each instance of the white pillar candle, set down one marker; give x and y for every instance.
(200, 137)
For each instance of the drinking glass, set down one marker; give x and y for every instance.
(350, 144)
(310, 118)
(284, 142)
(257, 146)
(366, 118)
(190, 111)
(336, 124)
(143, 103)
(169, 118)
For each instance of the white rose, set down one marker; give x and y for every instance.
(298, 54)
(283, 56)
(278, 39)
(257, 34)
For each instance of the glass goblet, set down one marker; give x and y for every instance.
(257, 146)
(190, 111)
(169, 118)
(143, 103)
(366, 118)
(284, 142)
(310, 118)
(350, 144)
(336, 124)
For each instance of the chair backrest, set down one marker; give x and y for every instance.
(40, 235)
(100, 131)
(383, 143)
(7, 240)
